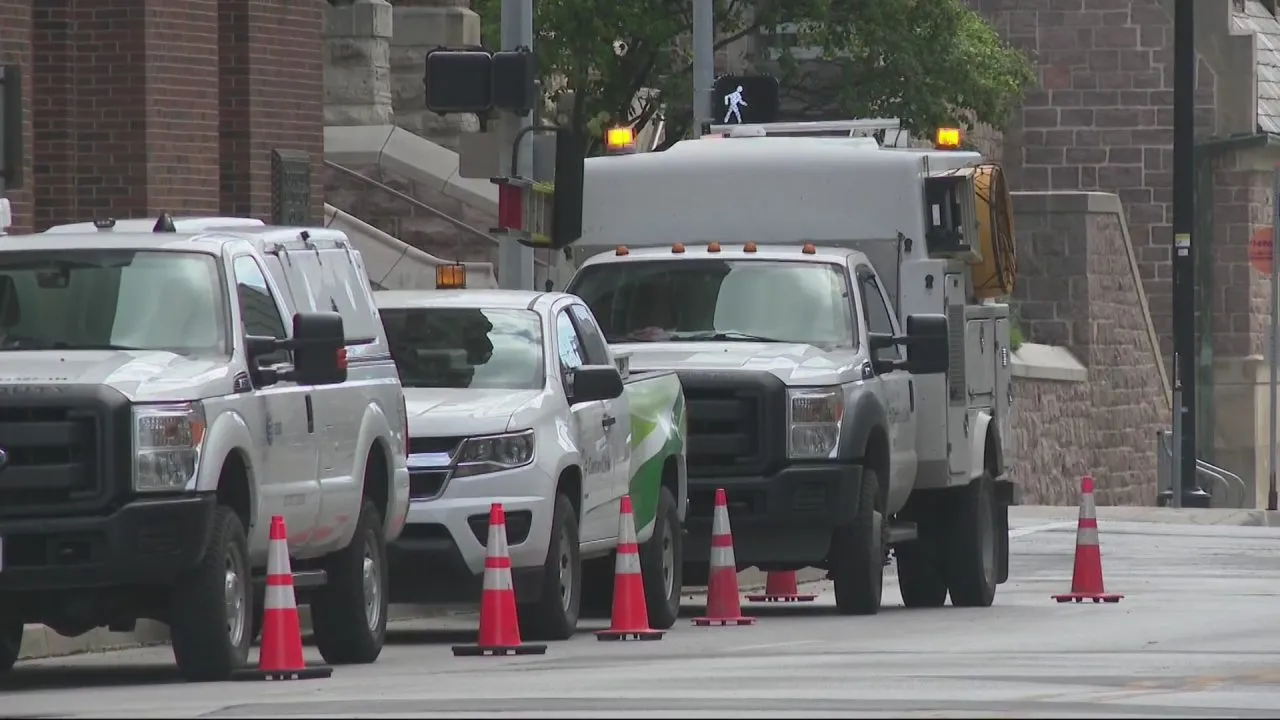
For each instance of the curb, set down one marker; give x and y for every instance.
(38, 641)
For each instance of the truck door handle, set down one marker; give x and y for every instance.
(911, 394)
(608, 421)
(311, 417)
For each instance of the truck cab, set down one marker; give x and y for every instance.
(171, 386)
(845, 381)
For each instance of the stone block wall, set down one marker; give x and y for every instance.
(1078, 288)
(1101, 115)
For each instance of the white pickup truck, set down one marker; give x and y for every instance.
(513, 397)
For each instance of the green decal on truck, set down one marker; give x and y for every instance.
(657, 433)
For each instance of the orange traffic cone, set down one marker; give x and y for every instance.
(1086, 579)
(723, 606)
(499, 625)
(630, 614)
(780, 586)
(280, 652)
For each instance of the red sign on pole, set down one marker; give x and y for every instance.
(1260, 250)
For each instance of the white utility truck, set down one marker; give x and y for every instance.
(514, 398)
(166, 387)
(830, 305)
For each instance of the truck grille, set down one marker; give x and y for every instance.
(429, 460)
(54, 459)
(732, 419)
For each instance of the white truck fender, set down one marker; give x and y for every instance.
(978, 443)
(344, 499)
(229, 433)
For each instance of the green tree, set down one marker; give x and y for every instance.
(926, 62)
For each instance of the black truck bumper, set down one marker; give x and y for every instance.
(146, 542)
(783, 519)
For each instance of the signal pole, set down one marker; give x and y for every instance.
(1186, 490)
(704, 61)
(515, 261)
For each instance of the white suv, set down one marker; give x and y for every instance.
(166, 387)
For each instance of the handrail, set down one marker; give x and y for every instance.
(416, 203)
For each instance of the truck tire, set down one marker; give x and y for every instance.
(920, 576)
(211, 611)
(10, 644)
(554, 615)
(972, 562)
(858, 554)
(349, 612)
(661, 560)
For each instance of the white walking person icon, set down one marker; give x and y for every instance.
(735, 102)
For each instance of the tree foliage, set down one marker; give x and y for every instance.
(926, 62)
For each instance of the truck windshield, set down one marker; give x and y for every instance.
(719, 300)
(483, 349)
(112, 300)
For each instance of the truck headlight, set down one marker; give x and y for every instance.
(814, 416)
(492, 453)
(166, 446)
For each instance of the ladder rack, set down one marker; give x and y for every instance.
(890, 129)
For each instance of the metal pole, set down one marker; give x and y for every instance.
(1184, 197)
(704, 61)
(1272, 359)
(515, 261)
(1175, 452)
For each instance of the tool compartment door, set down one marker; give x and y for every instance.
(979, 351)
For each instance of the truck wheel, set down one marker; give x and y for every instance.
(971, 562)
(211, 612)
(349, 612)
(858, 554)
(920, 577)
(661, 559)
(554, 616)
(10, 643)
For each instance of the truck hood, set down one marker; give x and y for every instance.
(793, 363)
(452, 412)
(140, 375)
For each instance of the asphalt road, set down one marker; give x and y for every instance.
(1197, 635)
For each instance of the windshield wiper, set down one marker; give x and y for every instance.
(722, 336)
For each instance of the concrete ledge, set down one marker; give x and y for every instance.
(396, 265)
(409, 156)
(1047, 362)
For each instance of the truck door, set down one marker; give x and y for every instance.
(897, 387)
(287, 457)
(617, 412)
(587, 426)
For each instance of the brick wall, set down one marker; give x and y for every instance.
(1102, 115)
(1078, 289)
(146, 106)
(15, 47)
(271, 80)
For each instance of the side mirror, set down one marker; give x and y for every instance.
(593, 382)
(927, 346)
(319, 349)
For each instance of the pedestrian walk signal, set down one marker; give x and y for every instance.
(744, 99)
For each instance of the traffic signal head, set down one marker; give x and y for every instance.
(459, 81)
(744, 99)
(566, 215)
(476, 81)
(515, 81)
